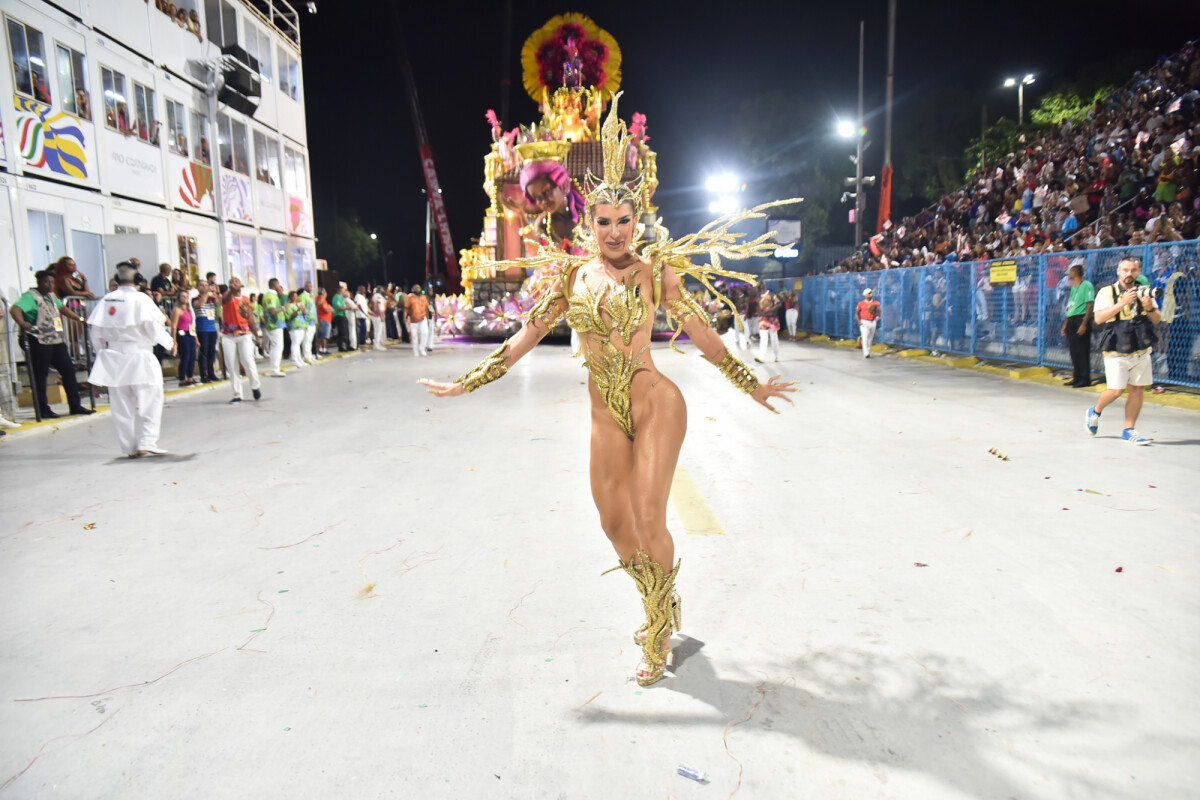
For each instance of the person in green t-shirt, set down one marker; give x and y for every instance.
(310, 316)
(1077, 327)
(341, 324)
(274, 323)
(39, 314)
(297, 326)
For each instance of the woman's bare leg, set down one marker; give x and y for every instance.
(612, 482)
(661, 426)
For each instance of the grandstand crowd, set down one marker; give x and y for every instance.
(1128, 174)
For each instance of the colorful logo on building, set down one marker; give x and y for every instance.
(49, 140)
(235, 196)
(197, 184)
(299, 216)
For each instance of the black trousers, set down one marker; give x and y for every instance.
(208, 353)
(1080, 346)
(362, 331)
(341, 327)
(44, 356)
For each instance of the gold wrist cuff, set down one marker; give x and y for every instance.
(491, 368)
(738, 373)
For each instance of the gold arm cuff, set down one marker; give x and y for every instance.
(683, 309)
(738, 373)
(547, 310)
(491, 368)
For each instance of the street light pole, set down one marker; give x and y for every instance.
(859, 205)
(1020, 84)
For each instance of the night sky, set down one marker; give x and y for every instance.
(687, 66)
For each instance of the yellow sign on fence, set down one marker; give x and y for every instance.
(1003, 272)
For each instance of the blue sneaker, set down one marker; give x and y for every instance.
(1131, 436)
(1092, 420)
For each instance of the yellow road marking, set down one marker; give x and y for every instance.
(697, 518)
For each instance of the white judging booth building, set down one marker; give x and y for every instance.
(169, 131)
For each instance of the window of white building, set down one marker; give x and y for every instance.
(258, 44)
(177, 128)
(220, 22)
(146, 123)
(289, 72)
(240, 250)
(72, 83)
(294, 172)
(28, 61)
(231, 135)
(266, 159)
(116, 103)
(202, 151)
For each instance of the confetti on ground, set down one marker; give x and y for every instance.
(365, 592)
(1093, 491)
(711, 419)
(968, 533)
(998, 454)
(1120, 569)
(593, 697)
(89, 526)
(281, 591)
(1168, 569)
(919, 564)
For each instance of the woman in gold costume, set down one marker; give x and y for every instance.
(609, 296)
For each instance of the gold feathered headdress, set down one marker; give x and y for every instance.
(612, 190)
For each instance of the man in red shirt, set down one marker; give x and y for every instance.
(324, 322)
(867, 314)
(238, 331)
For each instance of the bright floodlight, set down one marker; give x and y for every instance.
(845, 128)
(1010, 82)
(372, 236)
(721, 184)
(722, 206)
(1028, 79)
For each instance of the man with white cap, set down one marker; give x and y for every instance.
(124, 327)
(867, 314)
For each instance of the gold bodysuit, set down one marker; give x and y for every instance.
(618, 308)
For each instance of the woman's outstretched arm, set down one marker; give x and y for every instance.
(694, 321)
(542, 318)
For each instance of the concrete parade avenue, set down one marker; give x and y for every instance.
(353, 589)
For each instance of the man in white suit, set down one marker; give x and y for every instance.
(124, 327)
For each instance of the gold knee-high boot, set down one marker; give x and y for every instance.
(657, 589)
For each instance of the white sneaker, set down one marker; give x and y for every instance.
(8, 423)
(278, 374)
(153, 450)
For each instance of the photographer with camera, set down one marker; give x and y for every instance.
(1125, 314)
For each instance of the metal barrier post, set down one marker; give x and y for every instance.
(1041, 309)
(87, 360)
(33, 392)
(1004, 293)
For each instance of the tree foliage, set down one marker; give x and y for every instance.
(356, 253)
(1068, 104)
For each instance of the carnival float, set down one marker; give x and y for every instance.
(535, 177)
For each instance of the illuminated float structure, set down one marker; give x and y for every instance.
(572, 68)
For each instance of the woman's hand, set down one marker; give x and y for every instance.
(766, 391)
(443, 389)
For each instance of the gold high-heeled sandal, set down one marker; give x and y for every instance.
(656, 589)
(639, 636)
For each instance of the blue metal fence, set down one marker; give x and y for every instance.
(954, 307)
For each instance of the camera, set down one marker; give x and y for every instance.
(1149, 291)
